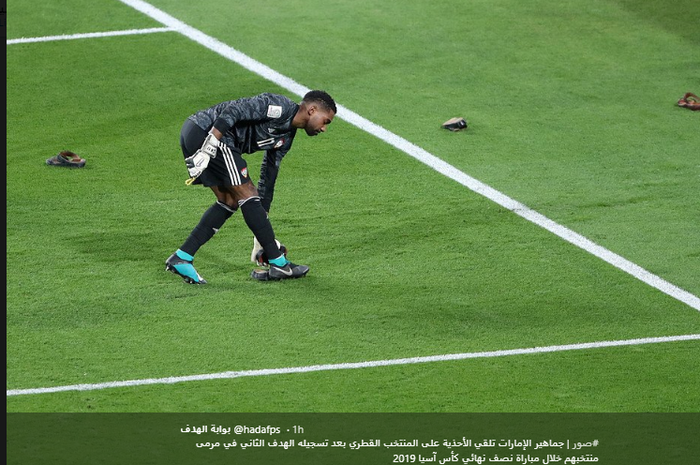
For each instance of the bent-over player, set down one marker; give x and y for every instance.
(213, 141)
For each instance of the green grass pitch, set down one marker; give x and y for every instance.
(571, 108)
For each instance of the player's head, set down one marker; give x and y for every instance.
(320, 98)
(319, 108)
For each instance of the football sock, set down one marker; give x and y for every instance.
(213, 219)
(256, 219)
(184, 255)
(279, 261)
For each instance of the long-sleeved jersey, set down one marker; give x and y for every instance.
(252, 124)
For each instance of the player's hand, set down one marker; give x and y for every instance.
(258, 257)
(256, 248)
(197, 163)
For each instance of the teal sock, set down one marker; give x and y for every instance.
(280, 261)
(184, 255)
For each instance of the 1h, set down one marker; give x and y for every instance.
(298, 429)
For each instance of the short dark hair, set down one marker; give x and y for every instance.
(322, 97)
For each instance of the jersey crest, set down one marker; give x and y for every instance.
(274, 111)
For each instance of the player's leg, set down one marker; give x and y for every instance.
(245, 194)
(210, 223)
(256, 218)
(180, 262)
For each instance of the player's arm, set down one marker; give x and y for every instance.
(244, 109)
(269, 169)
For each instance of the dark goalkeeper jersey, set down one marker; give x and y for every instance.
(252, 124)
(263, 122)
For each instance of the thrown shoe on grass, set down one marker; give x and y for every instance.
(66, 159)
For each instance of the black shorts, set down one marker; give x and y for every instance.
(228, 168)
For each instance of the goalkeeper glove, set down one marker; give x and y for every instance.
(197, 163)
(256, 248)
(258, 256)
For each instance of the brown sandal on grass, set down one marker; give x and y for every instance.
(67, 159)
(690, 101)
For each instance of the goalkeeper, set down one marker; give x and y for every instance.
(213, 141)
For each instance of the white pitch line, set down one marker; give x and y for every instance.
(352, 366)
(88, 35)
(423, 156)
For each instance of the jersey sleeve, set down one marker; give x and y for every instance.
(256, 108)
(269, 169)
